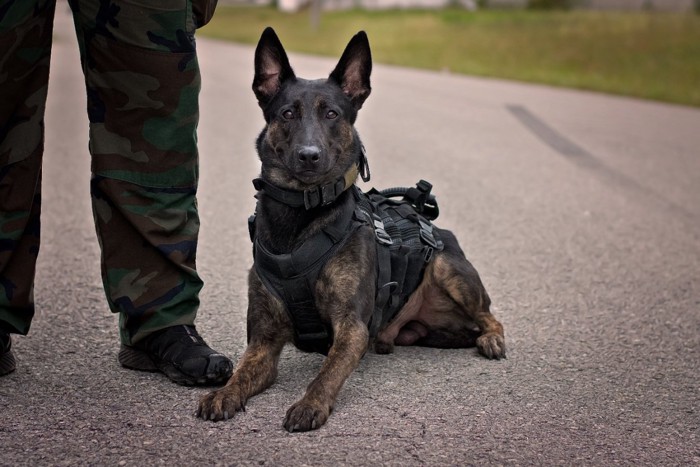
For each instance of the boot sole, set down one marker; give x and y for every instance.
(135, 359)
(7, 363)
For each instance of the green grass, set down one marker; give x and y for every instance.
(641, 54)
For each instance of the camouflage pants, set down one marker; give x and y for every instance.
(142, 81)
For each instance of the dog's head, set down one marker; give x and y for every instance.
(309, 138)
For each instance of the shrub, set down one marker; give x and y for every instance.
(549, 4)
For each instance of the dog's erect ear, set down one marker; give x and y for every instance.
(271, 67)
(353, 70)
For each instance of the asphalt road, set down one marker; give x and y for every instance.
(581, 212)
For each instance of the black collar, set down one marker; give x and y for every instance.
(321, 195)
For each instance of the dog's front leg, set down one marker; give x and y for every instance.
(312, 411)
(256, 372)
(268, 331)
(345, 296)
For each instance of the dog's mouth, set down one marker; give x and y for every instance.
(311, 177)
(299, 180)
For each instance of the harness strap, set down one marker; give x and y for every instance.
(385, 290)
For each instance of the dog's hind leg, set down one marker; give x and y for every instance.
(430, 318)
(449, 309)
(457, 279)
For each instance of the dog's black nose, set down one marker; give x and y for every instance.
(309, 155)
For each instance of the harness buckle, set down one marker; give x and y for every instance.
(310, 203)
(426, 233)
(323, 195)
(330, 191)
(327, 194)
(380, 232)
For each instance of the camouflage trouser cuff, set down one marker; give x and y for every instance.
(11, 321)
(148, 238)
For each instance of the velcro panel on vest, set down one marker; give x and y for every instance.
(292, 277)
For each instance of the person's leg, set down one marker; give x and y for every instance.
(25, 50)
(143, 82)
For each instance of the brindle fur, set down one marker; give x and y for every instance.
(312, 145)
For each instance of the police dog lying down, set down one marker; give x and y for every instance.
(337, 269)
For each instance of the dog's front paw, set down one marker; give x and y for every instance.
(491, 345)
(305, 416)
(221, 404)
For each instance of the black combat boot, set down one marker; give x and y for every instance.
(181, 354)
(7, 359)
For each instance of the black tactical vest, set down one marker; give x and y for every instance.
(405, 240)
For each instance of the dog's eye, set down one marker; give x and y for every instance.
(331, 114)
(288, 115)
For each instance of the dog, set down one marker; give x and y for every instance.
(311, 156)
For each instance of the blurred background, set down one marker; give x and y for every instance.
(641, 48)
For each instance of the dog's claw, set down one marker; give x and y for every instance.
(305, 417)
(221, 404)
(492, 346)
